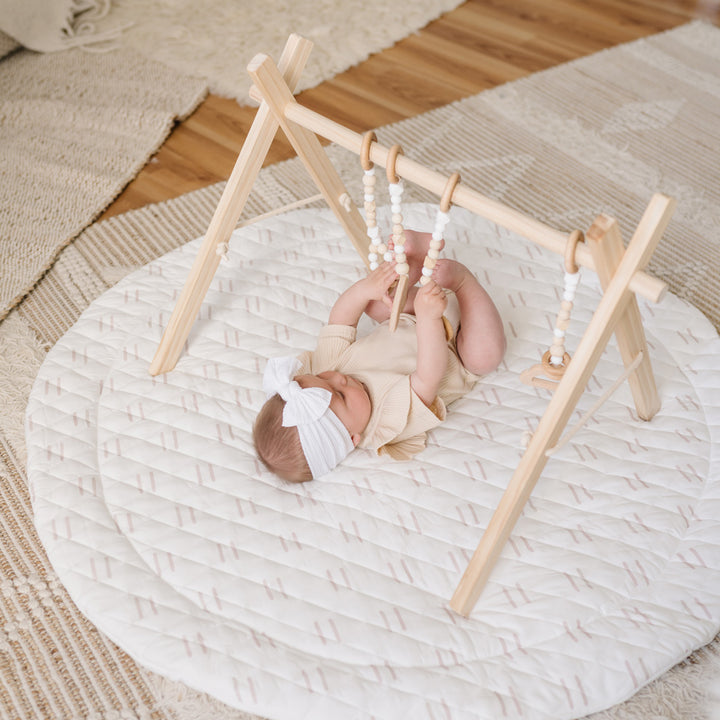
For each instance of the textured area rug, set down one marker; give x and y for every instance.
(159, 519)
(186, 35)
(75, 128)
(597, 135)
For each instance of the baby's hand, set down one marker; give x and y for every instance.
(430, 301)
(377, 283)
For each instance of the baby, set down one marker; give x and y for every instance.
(386, 390)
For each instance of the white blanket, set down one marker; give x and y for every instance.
(329, 599)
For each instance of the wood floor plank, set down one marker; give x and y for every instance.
(480, 44)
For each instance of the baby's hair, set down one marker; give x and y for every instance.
(279, 447)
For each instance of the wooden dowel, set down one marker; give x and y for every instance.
(554, 240)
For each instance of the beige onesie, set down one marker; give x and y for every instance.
(384, 361)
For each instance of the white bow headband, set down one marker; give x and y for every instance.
(324, 439)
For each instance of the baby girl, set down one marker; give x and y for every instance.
(385, 390)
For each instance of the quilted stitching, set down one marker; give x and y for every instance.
(330, 598)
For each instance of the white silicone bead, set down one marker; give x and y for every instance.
(427, 272)
(388, 256)
(374, 266)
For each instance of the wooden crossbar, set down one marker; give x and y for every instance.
(620, 269)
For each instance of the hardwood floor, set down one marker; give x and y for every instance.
(481, 44)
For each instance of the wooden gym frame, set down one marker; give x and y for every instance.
(620, 269)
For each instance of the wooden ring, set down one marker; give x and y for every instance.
(368, 139)
(570, 246)
(450, 185)
(555, 371)
(393, 152)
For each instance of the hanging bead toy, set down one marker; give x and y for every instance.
(556, 360)
(377, 249)
(441, 220)
(395, 188)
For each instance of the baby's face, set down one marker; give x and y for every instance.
(350, 400)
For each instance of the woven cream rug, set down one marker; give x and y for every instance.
(597, 135)
(186, 34)
(77, 126)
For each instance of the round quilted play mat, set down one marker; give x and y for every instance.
(329, 599)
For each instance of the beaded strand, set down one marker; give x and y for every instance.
(556, 354)
(433, 253)
(442, 218)
(377, 248)
(557, 349)
(395, 188)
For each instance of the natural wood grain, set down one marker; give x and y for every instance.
(481, 44)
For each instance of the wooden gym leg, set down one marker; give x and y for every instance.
(250, 160)
(611, 308)
(306, 144)
(606, 245)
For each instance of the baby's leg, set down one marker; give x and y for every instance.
(481, 339)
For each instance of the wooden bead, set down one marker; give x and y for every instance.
(433, 253)
(429, 262)
(566, 305)
(562, 324)
(400, 257)
(402, 268)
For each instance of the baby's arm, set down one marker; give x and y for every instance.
(349, 307)
(432, 353)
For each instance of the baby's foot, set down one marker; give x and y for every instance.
(450, 274)
(416, 247)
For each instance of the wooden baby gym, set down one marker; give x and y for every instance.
(455, 584)
(600, 248)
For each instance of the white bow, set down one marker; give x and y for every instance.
(325, 440)
(302, 405)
